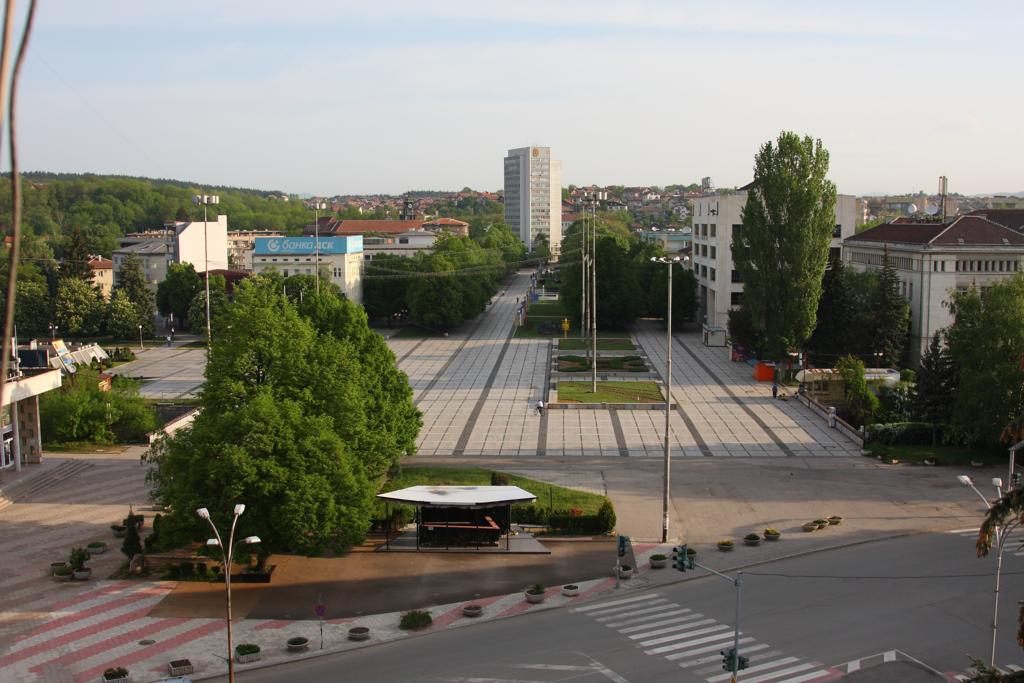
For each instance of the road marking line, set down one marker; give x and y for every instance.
(962, 531)
(639, 598)
(813, 676)
(756, 669)
(719, 637)
(775, 674)
(717, 658)
(685, 632)
(663, 622)
(554, 667)
(889, 656)
(853, 666)
(708, 648)
(625, 610)
(634, 620)
(660, 631)
(477, 679)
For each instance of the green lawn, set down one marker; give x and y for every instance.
(557, 497)
(602, 344)
(530, 330)
(610, 392)
(567, 363)
(941, 455)
(546, 308)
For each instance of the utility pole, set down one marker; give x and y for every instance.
(593, 295)
(585, 320)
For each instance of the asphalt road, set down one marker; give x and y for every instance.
(803, 619)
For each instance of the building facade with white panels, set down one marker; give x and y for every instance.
(715, 218)
(341, 259)
(533, 196)
(933, 259)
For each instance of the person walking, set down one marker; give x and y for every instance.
(540, 407)
(775, 389)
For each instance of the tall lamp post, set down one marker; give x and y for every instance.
(668, 394)
(1002, 533)
(593, 292)
(316, 238)
(226, 556)
(206, 200)
(142, 346)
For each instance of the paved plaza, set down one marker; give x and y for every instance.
(167, 372)
(478, 387)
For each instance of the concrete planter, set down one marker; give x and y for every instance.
(359, 633)
(97, 549)
(810, 526)
(659, 563)
(725, 547)
(772, 537)
(248, 656)
(472, 611)
(535, 598)
(297, 644)
(835, 520)
(625, 571)
(82, 575)
(571, 590)
(180, 667)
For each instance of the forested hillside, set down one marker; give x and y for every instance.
(106, 207)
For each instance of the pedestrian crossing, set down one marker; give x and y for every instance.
(1014, 544)
(694, 641)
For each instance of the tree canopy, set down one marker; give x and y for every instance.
(303, 413)
(782, 248)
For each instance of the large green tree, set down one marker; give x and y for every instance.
(986, 343)
(33, 310)
(79, 308)
(76, 257)
(782, 249)
(831, 338)
(891, 314)
(859, 404)
(122, 318)
(175, 294)
(132, 281)
(936, 382)
(302, 416)
(218, 302)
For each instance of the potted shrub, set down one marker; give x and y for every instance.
(822, 523)
(96, 548)
(297, 644)
(358, 633)
(55, 565)
(535, 594)
(119, 530)
(77, 560)
(62, 573)
(772, 534)
(472, 610)
(179, 667)
(570, 590)
(810, 526)
(415, 619)
(752, 539)
(247, 652)
(725, 545)
(625, 571)
(116, 674)
(658, 561)
(835, 520)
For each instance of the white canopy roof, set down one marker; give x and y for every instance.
(459, 496)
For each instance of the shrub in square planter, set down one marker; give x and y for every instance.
(115, 674)
(179, 667)
(247, 652)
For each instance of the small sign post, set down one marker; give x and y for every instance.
(320, 610)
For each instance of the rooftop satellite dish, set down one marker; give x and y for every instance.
(931, 209)
(912, 209)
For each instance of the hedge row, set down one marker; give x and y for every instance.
(902, 433)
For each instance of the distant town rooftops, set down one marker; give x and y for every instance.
(961, 231)
(329, 225)
(156, 246)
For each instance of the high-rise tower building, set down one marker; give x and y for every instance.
(533, 196)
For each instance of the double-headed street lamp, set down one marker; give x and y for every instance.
(316, 238)
(1002, 533)
(668, 391)
(226, 555)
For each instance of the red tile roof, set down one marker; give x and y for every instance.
(100, 263)
(1011, 218)
(963, 230)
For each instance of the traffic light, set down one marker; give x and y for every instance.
(742, 662)
(622, 546)
(728, 659)
(679, 558)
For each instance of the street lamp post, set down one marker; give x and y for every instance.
(142, 346)
(1002, 533)
(53, 332)
(226, 556)
(316, 238)
(205, 200)
(668, 396)
(593, 292)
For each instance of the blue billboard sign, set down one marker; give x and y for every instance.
(270, 246)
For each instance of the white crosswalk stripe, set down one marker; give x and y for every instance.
(693, 641)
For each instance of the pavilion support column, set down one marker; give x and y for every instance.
(419, 520)
(387, 526)
(447, 532)
(508, 534)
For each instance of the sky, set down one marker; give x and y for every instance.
(339, 97)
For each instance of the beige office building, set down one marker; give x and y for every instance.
(533, 196)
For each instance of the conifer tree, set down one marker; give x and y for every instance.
(76, 258)
(891, 314)
(935, 383)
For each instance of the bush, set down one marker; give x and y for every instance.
(61, 571)
(900, 433)
(606, 517)
(79, 411)
(658, 557)
(115, 672)
(908, 375)
(78, 558)
(246, 649)
(132, 545)
(499, 479)
(751, 537)
(415, 619)
(152, 542)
